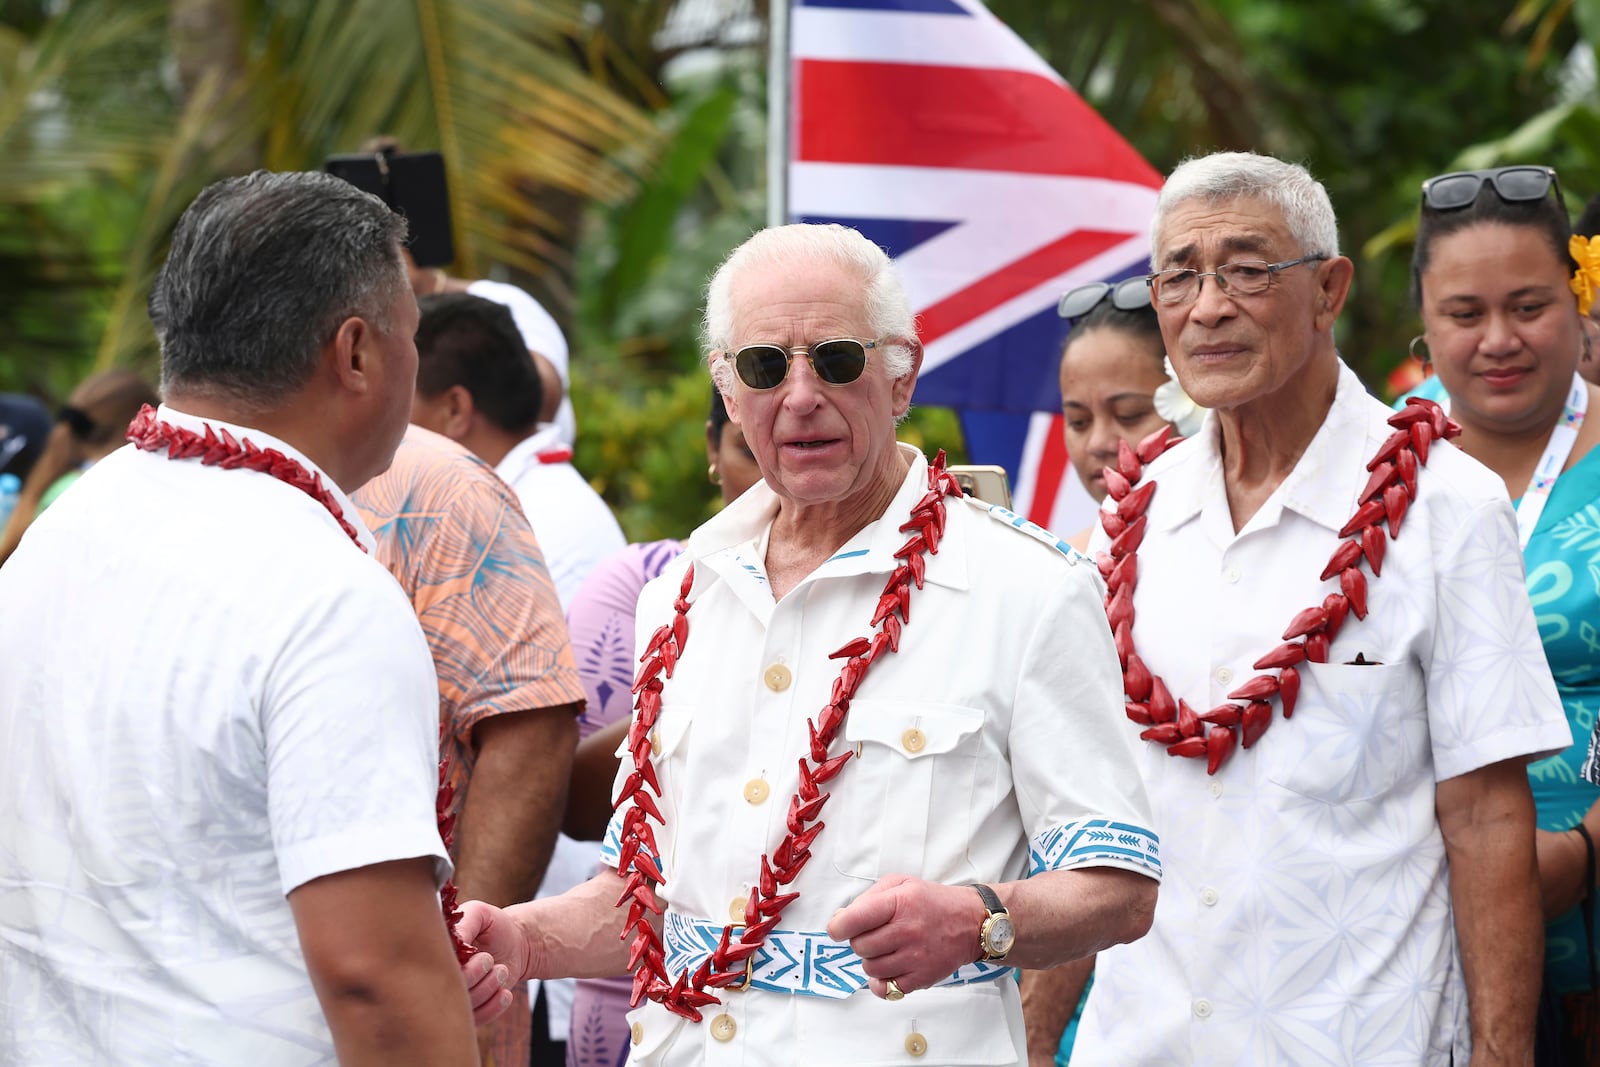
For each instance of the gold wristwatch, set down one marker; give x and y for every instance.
(997, 935)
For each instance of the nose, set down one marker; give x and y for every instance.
(1102, 444)
(1500, 337)
(1213, 303)
(802, 389)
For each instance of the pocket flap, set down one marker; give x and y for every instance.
(672, 726)
(912, 728)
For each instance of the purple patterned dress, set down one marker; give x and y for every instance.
(601, 624)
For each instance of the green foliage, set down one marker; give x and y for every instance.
(609, 168)
(91, 111)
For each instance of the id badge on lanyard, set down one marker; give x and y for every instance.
(1556, 452)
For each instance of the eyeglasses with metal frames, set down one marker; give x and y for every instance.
(837, 361)
(1242, 278)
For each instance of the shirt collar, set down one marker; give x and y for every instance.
(1322, 486)
(870, 551)
(525, 453)
(263, 440)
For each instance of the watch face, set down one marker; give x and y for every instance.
(1001, 935)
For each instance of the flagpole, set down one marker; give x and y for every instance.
(778, 67)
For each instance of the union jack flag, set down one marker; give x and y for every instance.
(933, 129)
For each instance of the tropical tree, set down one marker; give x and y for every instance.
(131, 106)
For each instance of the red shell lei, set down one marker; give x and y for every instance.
(218, 448)
(727, 964)
(1245, 716)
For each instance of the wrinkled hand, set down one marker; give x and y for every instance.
(501, 959)
(916, 932)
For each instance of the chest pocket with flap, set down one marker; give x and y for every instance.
(914, 778)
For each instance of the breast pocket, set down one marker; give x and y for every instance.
(1356, 732)
(668, 745)
(914, 775)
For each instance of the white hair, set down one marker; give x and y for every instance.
(789, 248)
(1224, 176)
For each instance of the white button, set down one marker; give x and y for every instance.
(1202, 1009)
(1232, 574)
(1215, 789)
(1208, 897)
(1224, 675)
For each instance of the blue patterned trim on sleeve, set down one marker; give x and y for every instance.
(1094, 843)
(611, 847)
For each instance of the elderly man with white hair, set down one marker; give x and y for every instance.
(1353, 884)
(876, 760)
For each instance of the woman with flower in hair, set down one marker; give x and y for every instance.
(1493, 277)
(1115, 382)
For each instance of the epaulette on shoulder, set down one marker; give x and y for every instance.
(1031, 529)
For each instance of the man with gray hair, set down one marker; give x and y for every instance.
(851, 639)
(1354, 884)
(219, 716)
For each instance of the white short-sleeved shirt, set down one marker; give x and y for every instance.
(541, 334)
(575, 528)
(1007, 673)
(1305, 915)
(209, 697)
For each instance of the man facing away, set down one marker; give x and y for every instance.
(219, 721)
(477, 385)
(454, 536)
(865, 779)
(1355, 884)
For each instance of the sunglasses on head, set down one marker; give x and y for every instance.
(839, 361)
(1130, 294)
(1516, 184)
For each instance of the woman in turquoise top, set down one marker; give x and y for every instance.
(1491, 277)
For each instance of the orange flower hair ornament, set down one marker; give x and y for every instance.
(1585, 281)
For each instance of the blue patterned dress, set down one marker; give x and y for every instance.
(1563, 564)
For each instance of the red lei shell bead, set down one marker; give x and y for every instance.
(727, 964)
(218, 448)
(1241, 721)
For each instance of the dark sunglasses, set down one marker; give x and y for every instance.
(839, 361)
(1130, 294)
(1514, 185)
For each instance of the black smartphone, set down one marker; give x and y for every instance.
(412, 183)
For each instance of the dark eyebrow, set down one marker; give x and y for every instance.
(1517, 294)
(1245, 242)
(1250, 242)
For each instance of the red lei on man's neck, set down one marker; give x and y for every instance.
(1247, 713)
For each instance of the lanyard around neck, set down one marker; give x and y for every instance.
(1556, 452)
